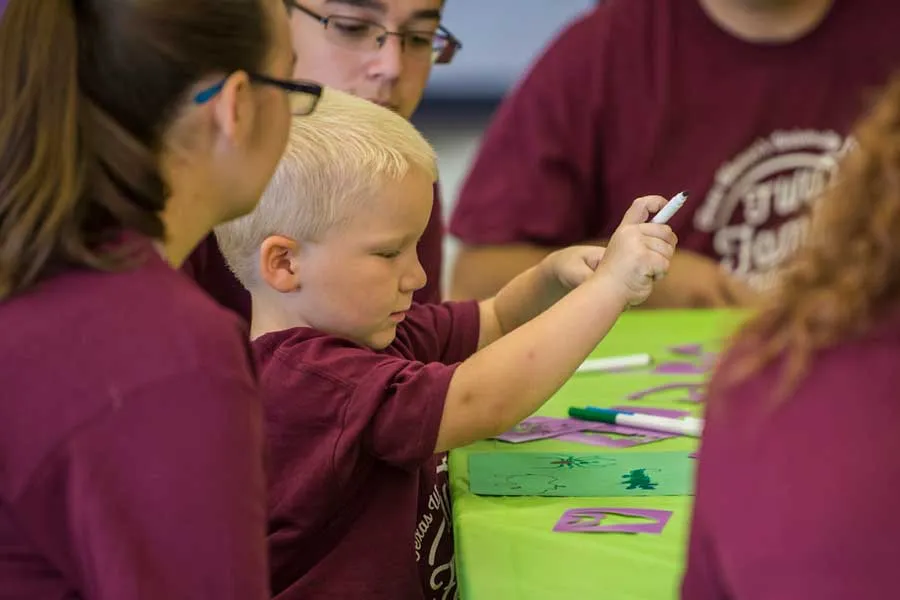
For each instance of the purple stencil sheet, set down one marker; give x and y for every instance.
(695, 391)
(702, 362)
(679, 368)
(539, 428)
(592, 433)
(687, 349)
(695, 394)
(590, 520)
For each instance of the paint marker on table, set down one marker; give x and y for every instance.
(690, 426)
(614, 363)
(671, 207)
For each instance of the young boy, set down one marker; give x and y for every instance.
(364, 390)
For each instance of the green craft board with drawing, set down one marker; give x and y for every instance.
(581, 474)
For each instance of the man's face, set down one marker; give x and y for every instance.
(344, 55)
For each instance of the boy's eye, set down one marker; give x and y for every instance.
(388, 254)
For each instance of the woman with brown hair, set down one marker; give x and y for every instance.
(130, 434)
(799, 476)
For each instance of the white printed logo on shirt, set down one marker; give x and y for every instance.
(443, 576)
(757, 207)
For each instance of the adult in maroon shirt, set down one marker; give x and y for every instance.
(799, 475)
(130, 424)
(339, 43)
(744, 103)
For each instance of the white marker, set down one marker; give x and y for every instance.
(690, 426)
(670, 208)
(614, 363)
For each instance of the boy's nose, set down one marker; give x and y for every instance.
(416, 279)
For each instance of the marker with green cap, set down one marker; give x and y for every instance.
(689, 426)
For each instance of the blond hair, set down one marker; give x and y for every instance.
(336, 158)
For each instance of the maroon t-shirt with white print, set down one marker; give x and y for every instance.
(433, 537)
(358, 502)
(653, 97)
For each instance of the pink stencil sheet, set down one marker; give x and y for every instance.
(590, 520)
(695, 391)
(539, 428)
(591, 433)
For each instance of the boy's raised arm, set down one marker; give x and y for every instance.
(514, 374)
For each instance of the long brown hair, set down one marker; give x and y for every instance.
(848, 273)
(87, 89)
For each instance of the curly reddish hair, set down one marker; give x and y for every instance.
(847, 275)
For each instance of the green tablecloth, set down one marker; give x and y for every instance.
(505, 546)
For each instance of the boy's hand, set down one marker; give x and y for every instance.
(638, 252)
(574, 265)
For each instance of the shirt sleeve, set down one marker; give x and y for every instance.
(402, 402)
(535, 178)
(405, 398)
(446, 332)
(161, 496)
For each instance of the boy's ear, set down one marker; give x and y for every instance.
(278, 263)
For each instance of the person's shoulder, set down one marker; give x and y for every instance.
(175, 298)
(864, 365)
(108, 338)
(212, 326)
(612, 27)
(425, 320)
(173, 322)
(295, 357)
(618, 8)
(182, 321)
(860, 13)
(429, 329)
(869, 361)
(424, 316)
(862, 36)
(608, 15)
(859, 360)
(145, 303)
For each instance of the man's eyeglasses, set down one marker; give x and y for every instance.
(303, 95)
(352, 33)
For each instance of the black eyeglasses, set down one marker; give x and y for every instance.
(438, 46)
(303, 95)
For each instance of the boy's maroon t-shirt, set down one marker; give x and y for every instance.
(358, 501)
(208, 268)
(645, 97)
(130, 442)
